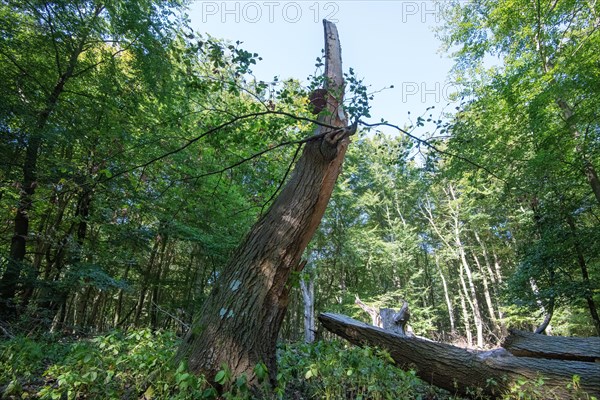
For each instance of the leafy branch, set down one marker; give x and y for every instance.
(433, 147)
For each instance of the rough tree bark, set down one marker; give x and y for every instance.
(457, 369)
(240, 321)
(547, 312)
(527, 344)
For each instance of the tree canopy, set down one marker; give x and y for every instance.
(137, 153)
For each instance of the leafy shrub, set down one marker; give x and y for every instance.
(123, 365)
(23, 359)
(333, 370)
(139, 364)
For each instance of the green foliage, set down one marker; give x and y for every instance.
(138, 364)
(23, 359)
(333, 370)
(121, 364)
(523, 119)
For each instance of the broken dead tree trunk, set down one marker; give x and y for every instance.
(388, 318)
(395, 321)
(372, 311)
(456, 369)
(239, 322)
(307, 286)
(527, 344)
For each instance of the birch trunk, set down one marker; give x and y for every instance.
(308, 295)
(446, 296)
(473, 302)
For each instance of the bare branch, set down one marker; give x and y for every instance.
(282, 180)
(434, 148)
(233, 121)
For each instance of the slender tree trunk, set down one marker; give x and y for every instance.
(464, 293)
(10, 278)
(587, 295)
(486, 257)
(41, 248)
(240, 320)
(91, 320)
(81, 308)
(308, 295)
(161, 274)
(497, 268)
(18, 246)
(446, 296)
(101, 315)
(160, 241)
(488, 297)
(55, 295)
(548, 312)
(119, 305)
(154, 298)
(465, 313)
(495, 280)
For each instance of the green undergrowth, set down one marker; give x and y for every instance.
(334, 370)
(139, 365)
(117, 365)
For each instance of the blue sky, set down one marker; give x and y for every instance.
(386, 42)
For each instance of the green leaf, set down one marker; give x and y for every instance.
(181, 367)
(210, 393)
(182, 377)
(261, 371)
(149, 393)
(220, 377)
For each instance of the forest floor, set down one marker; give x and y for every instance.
(138, 365)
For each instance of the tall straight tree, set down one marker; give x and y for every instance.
(239, 323)
(49, 51)
(534, 122)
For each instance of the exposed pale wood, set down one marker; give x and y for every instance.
(527, 344)
(307, 286)
(395, 321)
(372, 311)
(457, 369)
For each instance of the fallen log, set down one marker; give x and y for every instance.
(459, 370)
(528, 344)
